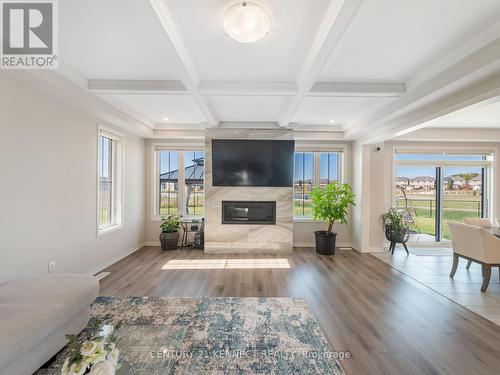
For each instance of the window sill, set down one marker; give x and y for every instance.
(105, 231)
(305, 220)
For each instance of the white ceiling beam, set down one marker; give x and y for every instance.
(130, 86)
(245, 88)
(461, 79)
(336, 19)
(358, 89)
(190, 77)
(250, 88)
(419, 118)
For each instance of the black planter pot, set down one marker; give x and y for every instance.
(169, 240)
(325, 242)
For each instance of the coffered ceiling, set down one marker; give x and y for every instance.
(352, 66)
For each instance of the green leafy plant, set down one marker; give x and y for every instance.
(399, 219)
(170, 224)
(331, 203)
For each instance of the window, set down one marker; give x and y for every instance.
(194, 177)
(180, 178)
(313, 169)
(109, 200)
(169, 183)
(440, 188)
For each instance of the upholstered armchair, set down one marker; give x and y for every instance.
(479, 222)
(475, 244)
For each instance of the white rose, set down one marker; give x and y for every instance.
(78, 368)
(65, 368)
(113, 356)
(103, 368)
(88, 348)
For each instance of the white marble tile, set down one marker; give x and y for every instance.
(238, 238)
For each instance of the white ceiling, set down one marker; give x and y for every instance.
(391, 40)
(176, 109)
(248, 108)
(481, 116)
(320, 110)
(190, 72)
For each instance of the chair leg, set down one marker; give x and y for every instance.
(486, 277)
(455, 265)
(393, 246)
(469, 262)
(406, 248)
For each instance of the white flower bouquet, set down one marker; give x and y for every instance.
(97, 355)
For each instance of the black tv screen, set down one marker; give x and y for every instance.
(252, 163)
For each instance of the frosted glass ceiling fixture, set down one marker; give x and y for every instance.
(247, 22)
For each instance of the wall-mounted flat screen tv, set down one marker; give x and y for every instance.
(252, 162)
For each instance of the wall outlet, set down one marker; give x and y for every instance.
(52, 266)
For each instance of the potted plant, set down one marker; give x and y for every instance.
(397, 225)
(330, 204)
(169, 236)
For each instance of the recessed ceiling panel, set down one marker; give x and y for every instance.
(168, 109)
(248, 108)
(278, 56)
(393, 40)
(115, 39)
(342, 110)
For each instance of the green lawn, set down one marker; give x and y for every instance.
(455, 208)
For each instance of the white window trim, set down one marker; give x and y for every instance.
(118, 179)
(155, 178)
(316, 167)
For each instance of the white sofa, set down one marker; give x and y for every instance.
(35, 315)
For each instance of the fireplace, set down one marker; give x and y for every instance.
(249, 212)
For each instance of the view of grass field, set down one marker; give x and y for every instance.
(169, 206)
(456, 207)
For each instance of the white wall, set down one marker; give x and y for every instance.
(48, 186)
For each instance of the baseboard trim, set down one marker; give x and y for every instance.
(94, 271)
(312, 244)
(305, 244)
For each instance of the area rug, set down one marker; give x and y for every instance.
(214, 336)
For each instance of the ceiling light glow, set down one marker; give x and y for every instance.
(165, 118)
(247, 22)
(332, 121)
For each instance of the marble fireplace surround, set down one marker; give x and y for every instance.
(251, 238)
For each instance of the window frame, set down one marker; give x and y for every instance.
(488, 165)
(117, 171)
(155, 178)
(317, 151)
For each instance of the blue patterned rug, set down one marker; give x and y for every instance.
(214, 336)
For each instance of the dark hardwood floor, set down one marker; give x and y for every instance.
(390, 323)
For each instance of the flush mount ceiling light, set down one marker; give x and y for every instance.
(247, 22)
(165, 118)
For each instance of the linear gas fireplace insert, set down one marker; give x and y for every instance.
(249, 212)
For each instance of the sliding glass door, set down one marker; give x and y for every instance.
(463, 193)
(416, 190)
(440, 188)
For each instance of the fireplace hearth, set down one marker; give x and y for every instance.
(249, 212)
